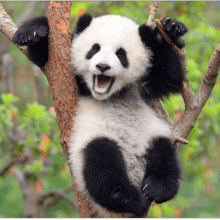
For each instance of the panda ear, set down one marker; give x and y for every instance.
(82, 23)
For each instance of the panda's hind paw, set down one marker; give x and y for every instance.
(158, 189)
(31, 31)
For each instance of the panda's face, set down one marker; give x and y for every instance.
(109, 55)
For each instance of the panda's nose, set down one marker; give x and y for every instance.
(103, 67)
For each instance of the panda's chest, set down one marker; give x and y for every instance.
(124, 122)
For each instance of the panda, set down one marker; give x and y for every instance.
(120, 149)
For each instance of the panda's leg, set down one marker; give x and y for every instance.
(163, 173)
(34, 34)
(107, 181)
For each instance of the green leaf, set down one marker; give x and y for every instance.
(19, 149)
(8, 98)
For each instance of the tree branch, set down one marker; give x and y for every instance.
(31, 208)
(153, 11)
(12, 162)
(210, 77)
(8, 28)
(193, 103)
(43, 196)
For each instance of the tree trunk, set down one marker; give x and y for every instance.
(62, 83)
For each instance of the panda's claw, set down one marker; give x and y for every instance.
(25, 39)
(160, 191)
(31, 31)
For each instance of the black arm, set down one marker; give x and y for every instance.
(34, 34)
(165, 75)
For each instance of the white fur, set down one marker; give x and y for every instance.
(129, 121)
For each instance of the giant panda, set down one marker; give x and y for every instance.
(120, 149)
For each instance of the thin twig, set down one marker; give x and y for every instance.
(177, 139)
(12, 162)
(153, 11)
(60, 194)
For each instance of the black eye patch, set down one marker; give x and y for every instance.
(95, 49)
(122, 56)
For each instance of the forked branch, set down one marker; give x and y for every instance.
(193, 102)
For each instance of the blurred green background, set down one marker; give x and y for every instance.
(199, 195)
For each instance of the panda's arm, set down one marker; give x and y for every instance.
(34, 34)
(164, 76)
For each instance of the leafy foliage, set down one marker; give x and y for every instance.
(49, 165)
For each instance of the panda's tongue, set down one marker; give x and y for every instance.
(102, 83)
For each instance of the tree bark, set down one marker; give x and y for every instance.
(63, 84)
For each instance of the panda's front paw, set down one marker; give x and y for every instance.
(31, 31)
(25, 39)
(160, 189)
(173, 27)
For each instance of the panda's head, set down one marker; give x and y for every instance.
(108, 54)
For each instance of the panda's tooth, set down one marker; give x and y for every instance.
(34, 34)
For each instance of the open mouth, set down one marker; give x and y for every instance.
(102, 84)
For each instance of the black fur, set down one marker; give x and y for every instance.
(122, 56)
(175, 29)
(163, 173)
(83, 22)
(165, 76)
(95, 49)
(106, 177)
(34, 34)
(83, 88)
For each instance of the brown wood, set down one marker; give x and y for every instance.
(63, 84)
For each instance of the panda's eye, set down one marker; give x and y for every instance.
(121, 52)
(96, 47)
(122, 56)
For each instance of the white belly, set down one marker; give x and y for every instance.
(131, 124)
